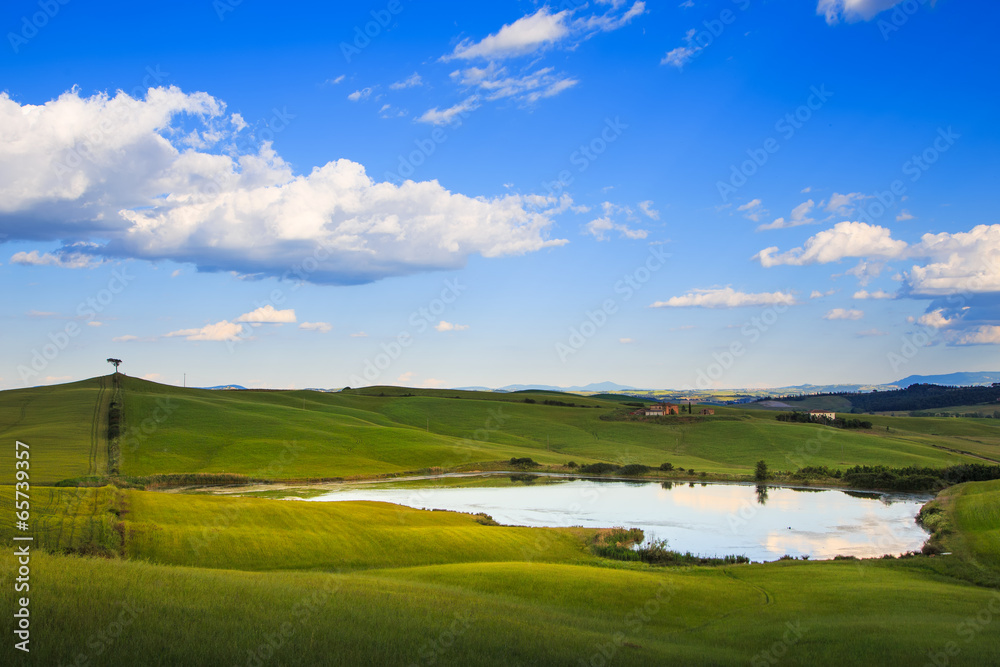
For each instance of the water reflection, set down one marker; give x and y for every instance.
(707, 519)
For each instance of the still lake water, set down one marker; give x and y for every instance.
(705, 519)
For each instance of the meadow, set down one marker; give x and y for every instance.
(129, 576)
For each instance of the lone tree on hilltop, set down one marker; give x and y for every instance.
(115, 362)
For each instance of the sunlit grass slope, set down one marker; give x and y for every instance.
(64, 425)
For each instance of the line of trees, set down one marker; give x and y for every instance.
(807, 418)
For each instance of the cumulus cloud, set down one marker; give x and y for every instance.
(220, 331)
(268, 314)
(843, 314)
(984, 335)
(845, 239)
(725, 297)
(839, 204)
(448, 326)
(851, 11)
(936, 319)
(322, 327)
(120, 172)
(799, 216)
(904, 215)
(816, 294)
(960, 262)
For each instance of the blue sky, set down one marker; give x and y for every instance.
(698, 194)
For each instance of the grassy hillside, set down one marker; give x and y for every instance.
(382, 430)
(470, 600)
(66, 426)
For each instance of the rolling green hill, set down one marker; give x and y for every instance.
(301, 435)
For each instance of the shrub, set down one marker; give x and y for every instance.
(571, 464)
(524, 462)
(634, 469)
(598, 468)
(667, 466)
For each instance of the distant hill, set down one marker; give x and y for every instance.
(953, 379)
(594, 386)
(225, 386)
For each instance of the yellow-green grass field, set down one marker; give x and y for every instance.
(292, 583)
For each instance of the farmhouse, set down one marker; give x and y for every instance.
(708, 411)
(660, 409)
(822, 414)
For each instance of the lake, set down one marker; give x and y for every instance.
(707, 519)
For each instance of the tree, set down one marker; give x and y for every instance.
(760, 474)
(115, 362)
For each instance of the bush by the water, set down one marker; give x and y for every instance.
(598, 468)
(911, 478)
(524, 462)
(620, 544)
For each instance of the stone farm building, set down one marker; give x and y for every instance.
(708, 411)
(660, 409)
(822, 414)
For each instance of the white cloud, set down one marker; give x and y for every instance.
(124, 339)
(816, 294)
(405, 378)
(433, 382)
(806, 189)
(542, 30)
(647, 208)
(984, 335)
(960, 262)
(877, 294)
(843, 314)
(845, 239)
(143, 196)
(936, 319)
(322, 327)
(725, 297)
(753, 210)
(334, 82)
(267, 314)
(220, 331)
(852, 10)
(360, 95)
(799, 216)
(66, 260)
(359, 334)
(600, 227)
(175, 273)
(439, 117)
(496, 82)
(448, 326)
(904, 215)
(152, 377)
(844, 204)
(409, 82)
(625, 341)
(682, 55)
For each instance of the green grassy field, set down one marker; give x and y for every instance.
(366, 583)
(301, 435)
(123, 576)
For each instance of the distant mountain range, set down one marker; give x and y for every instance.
(952, 379)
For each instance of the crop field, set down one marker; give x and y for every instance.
(201, 579)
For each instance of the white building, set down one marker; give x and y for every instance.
(822, 414)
